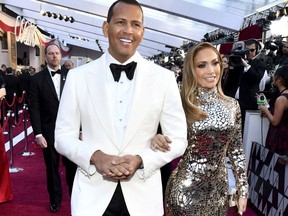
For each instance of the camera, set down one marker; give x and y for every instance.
(237, 53)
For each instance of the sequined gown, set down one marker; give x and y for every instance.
(199, 184)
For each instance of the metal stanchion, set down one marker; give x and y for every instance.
(26, 152)
(3, 110)
(12, 169)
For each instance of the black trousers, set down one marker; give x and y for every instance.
(117, 205)
(70, 170)
(52, 158)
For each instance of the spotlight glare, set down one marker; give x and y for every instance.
(66, 18)
(71, 19)
(43, 13)
(54, 15)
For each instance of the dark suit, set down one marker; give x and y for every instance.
(248, 83)
(43, 108)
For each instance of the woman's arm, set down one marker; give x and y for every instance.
(279, 107)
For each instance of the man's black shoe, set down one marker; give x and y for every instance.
(54, 207)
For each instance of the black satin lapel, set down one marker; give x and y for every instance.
(62, 81)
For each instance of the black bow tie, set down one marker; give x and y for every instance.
(55, 72)
(117, 69)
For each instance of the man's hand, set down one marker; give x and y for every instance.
(41, 141)
(244, 62)
(112, 166)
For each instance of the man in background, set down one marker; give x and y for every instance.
(68, 64)
(45, 91)
(243, 80)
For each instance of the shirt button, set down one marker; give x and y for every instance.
(120, 101)
(120, 119)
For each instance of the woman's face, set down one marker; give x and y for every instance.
(276, 81)
(207, 68)
(225, 62)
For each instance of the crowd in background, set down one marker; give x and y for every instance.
(248, 70)
(17, 81)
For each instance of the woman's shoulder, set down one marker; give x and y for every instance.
(285, 95)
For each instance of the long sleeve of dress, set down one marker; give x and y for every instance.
(237, 156)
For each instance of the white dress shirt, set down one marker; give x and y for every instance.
(56, 80)
(122, 98)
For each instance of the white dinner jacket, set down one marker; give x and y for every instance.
(86, 101)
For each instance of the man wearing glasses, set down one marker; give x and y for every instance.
(247, 77)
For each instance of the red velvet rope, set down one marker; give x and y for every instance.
(16, 99)
(13, 102)
(19, 100)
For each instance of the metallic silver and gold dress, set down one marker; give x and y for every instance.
(199, 184)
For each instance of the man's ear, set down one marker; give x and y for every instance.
(105, 28)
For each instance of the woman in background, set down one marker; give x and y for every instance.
(5, 182)
(199, 184)
(225, 62)
(278, 129)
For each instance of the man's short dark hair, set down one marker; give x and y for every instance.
(253, 41)
(110, 11)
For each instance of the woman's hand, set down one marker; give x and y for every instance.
(161, 143)
(242, 204)
(263, 110)
(2, 93)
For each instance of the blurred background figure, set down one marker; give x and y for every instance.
(32, 70)
(25, 80)
(282, 55)
(42, 67)
(3, 70)
(225, 62)
(68, 64)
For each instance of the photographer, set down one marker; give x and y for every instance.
(245, 73)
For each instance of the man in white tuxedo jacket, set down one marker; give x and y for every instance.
(118, 173)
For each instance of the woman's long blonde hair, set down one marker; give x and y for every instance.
(189, 83)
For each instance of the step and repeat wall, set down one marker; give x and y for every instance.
(268, 179)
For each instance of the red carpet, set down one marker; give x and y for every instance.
(29, 186)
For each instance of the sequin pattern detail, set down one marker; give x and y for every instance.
(199, 185)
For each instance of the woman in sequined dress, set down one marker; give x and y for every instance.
(199, 184)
